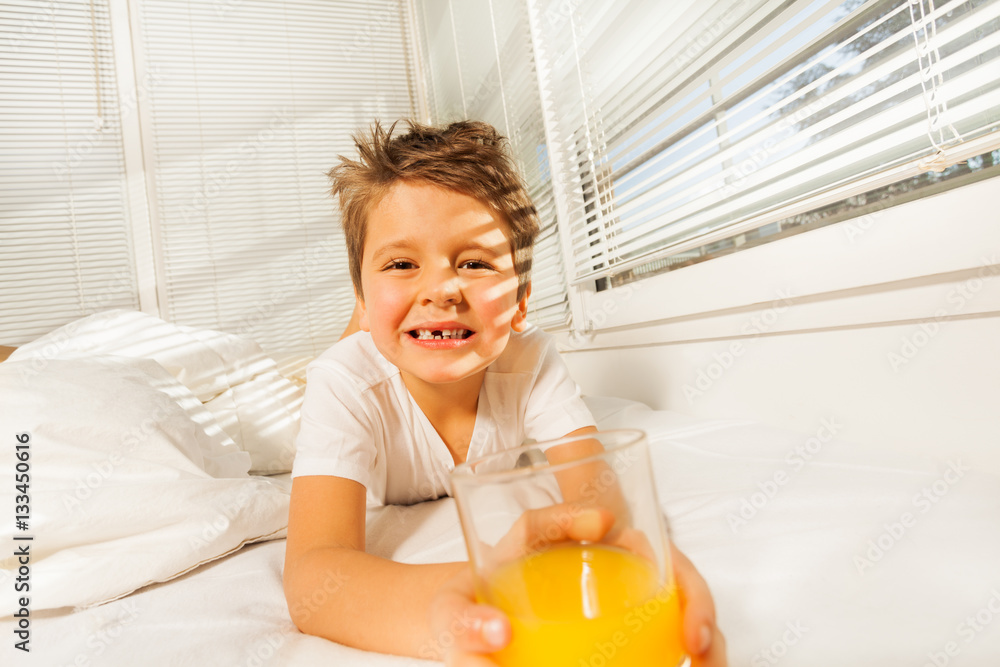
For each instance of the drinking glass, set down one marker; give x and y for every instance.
(568, 539)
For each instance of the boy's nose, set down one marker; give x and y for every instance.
(442, 288)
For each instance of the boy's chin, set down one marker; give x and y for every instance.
(443, 376)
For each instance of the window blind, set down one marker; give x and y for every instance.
(65, 248)
(479, 64)
(254, 103)
(697, 121)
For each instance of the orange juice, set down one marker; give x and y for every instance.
(586, 605)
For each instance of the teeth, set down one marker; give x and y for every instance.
(441, 334)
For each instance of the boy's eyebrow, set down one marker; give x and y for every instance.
(494, 250)
(388, 248)
(403, 245)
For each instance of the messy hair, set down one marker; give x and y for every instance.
(469, 157)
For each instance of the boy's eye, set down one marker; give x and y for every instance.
(476, 264)
(399, 264)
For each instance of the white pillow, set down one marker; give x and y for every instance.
(131, 481)
(232, 376)
(262, 416)
(611, 412)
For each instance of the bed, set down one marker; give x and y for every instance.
(158, 461)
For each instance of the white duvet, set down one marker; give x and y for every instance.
(128, 477)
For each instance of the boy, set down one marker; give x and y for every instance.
(439, 233)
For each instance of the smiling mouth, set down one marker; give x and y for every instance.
(440, 334)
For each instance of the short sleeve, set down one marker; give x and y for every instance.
(555, 406)
(337, 435)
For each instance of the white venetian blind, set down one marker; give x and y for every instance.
(696, 121)
(254, 103)
(479, 65)
(65, 248)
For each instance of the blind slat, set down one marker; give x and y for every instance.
(65, 236)
(782, 103)
(242, 141)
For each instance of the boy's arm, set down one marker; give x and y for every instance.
(586, 482)
(337, 591)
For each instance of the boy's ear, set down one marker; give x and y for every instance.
(361, 312)
(355, 324)
(520, 321)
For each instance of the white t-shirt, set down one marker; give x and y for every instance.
(360, 422)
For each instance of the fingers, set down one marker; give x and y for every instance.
(565, 521)
(702, 637)
(716, 654)
(476, 629)
(590, 524)
(572, 522)
(562, 522)
(463, 628)
(537, 529)
(634, 541)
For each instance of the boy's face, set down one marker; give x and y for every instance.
(438, 261)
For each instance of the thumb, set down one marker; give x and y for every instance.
(464, 626)
(489, 630)
(699, 608)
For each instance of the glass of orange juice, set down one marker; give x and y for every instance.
(568, 539)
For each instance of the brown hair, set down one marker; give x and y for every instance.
(470, 157)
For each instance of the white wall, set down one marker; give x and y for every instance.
(889, 324)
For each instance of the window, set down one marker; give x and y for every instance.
(704, 122)
(65, 239)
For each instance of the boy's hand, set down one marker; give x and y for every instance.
(464, 630)
(702, 637)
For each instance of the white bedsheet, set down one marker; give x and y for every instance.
(841, 560)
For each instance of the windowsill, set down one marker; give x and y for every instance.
(904, 263)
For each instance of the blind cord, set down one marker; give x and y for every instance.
(928, 62)
(99, 122)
